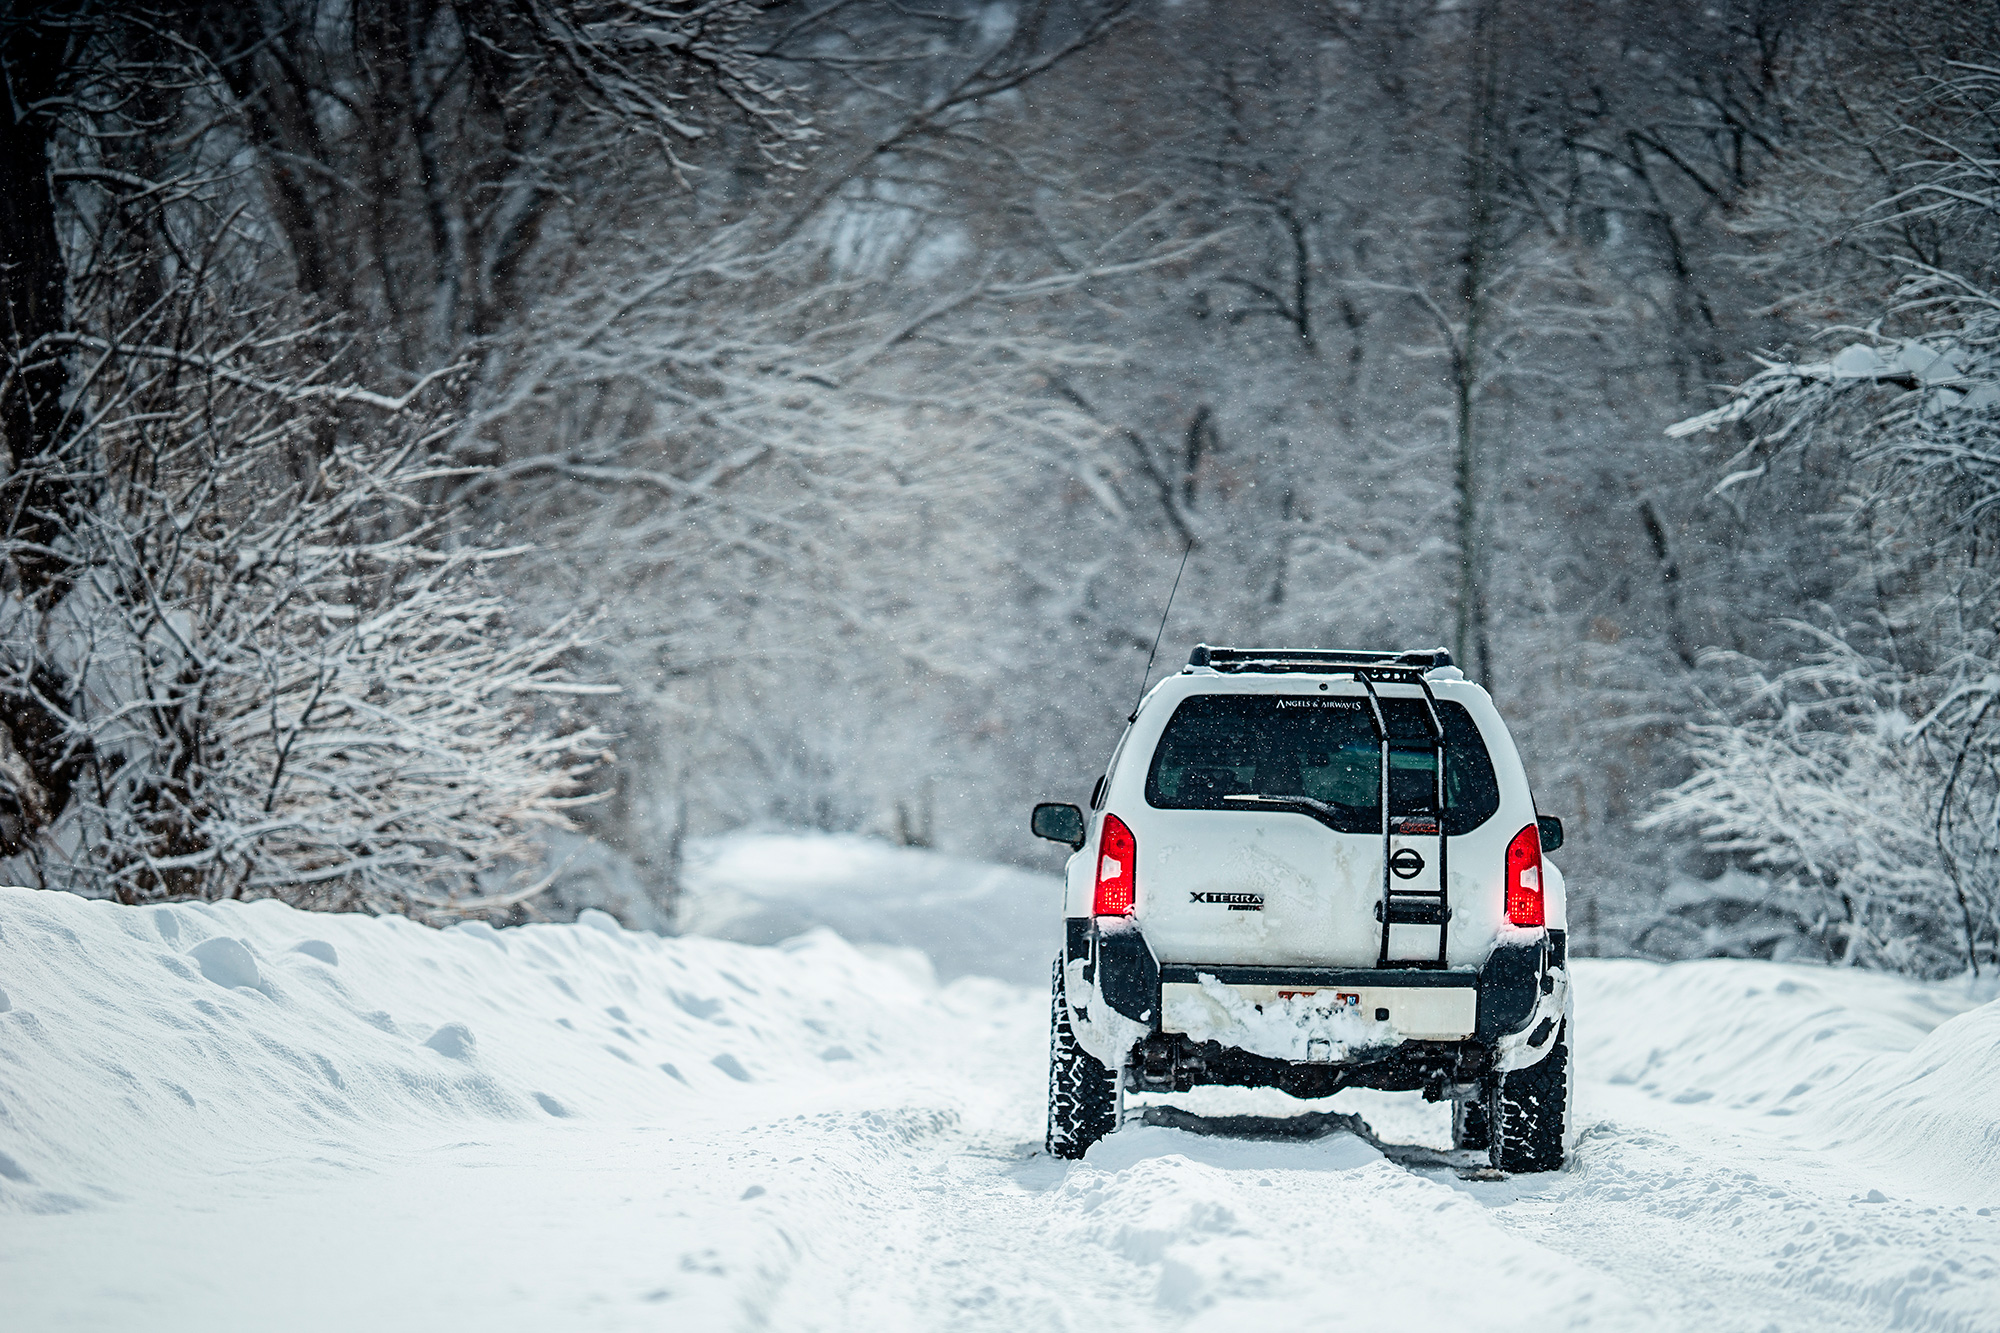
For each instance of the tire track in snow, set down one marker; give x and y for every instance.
(971, 1227)
(1722, 1226)
(1671, 1216)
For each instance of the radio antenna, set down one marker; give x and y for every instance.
(1157, 634)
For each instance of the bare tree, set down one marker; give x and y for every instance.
(1911, 403)
(242, 655)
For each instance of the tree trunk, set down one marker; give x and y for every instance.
(40, 487)
(34, 493)
(1470, 644)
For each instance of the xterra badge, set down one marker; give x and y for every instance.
(1235, 902)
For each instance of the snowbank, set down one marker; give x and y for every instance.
(1900, 1074)
(969, 917)
(135, 1041)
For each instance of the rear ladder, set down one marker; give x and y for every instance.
(1405, 906)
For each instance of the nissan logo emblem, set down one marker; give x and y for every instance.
(1406, 863)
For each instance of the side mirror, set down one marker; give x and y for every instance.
(1551, 830)
(1058, 822)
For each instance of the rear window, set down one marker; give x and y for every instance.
(1217, 745)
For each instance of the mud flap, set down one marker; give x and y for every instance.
(1128, 976)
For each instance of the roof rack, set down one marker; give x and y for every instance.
(1320, 660)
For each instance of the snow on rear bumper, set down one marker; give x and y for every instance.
(1303, 1016)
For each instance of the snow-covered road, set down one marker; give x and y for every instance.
(339, 1123)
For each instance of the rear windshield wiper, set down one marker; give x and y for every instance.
(1335, 817)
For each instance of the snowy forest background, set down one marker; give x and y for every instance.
(459, 450)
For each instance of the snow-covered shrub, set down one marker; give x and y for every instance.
(271, 671)
(1823, 783)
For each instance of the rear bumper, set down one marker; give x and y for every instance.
(1390, 1027)
(1414, 1005)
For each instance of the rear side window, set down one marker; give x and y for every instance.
(1218, 745)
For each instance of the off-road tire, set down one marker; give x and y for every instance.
(1083, 1094)
(1471, 1125)
(1527, 1112)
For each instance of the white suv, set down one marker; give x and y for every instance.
(1312, 870)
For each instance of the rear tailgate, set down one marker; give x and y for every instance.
(1259, 826)
(1259, 887)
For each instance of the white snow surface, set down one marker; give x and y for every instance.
(230, 1116)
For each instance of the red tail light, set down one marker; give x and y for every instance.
(1117, 878)
(1524, 878)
